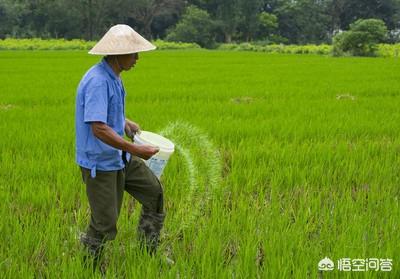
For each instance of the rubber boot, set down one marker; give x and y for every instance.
(94, 248)
(150, 225)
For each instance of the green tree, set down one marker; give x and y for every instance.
(228, 16)
(358, 9)
(195, 26)
(63, 20)
(210, 6)
(303, 21)
(99, 15)
(268, 23)
(361, 39)
(144, 12)
(10, 18)
(249, 22)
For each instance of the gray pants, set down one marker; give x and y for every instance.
(105, 193)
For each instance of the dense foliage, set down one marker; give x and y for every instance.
(383, 50)
(61, 44)
(272, 21)
(196, 26)
(362, 39)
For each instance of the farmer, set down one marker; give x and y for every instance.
(110, 164)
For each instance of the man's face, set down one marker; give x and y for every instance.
(128, 61)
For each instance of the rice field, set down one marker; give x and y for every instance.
(281, 161)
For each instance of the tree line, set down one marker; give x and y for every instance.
(203, 21)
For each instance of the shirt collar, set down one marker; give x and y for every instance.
(108, 69)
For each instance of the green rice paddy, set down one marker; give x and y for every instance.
(281, 161)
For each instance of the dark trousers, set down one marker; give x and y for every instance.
(105, 193)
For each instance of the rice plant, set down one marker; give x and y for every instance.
(281, 161)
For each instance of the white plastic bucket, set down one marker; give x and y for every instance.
(158, 162)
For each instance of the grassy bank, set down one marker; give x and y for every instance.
(384, 50)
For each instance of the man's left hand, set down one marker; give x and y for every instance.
(131, 128)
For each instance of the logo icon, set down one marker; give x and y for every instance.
(326, 264)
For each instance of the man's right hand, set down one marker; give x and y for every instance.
(108, 136)
(145, 151)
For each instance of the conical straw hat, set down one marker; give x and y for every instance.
(121, 39)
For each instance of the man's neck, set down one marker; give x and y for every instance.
(114, 66)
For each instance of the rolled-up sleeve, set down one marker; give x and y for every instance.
(96, 102)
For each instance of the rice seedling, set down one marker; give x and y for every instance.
(281, 161)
